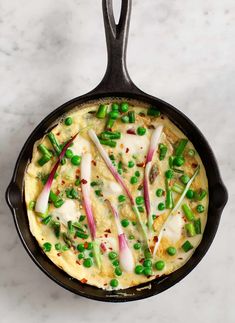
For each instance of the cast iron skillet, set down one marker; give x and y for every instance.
(117, 83)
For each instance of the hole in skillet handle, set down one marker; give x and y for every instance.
(219, 196)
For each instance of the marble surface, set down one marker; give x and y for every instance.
(181, 51)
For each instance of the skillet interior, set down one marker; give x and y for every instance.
(217, 193)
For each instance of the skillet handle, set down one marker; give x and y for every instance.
(116, 78)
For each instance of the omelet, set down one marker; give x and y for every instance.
(154, 181)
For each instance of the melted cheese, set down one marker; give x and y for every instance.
(69, 211)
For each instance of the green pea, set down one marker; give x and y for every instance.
(118, 271)
(178, 161)
(121, 198)
(185, 179)
(125, 119)
(139, 269)
(141, 131)
(171, 251)
(147, 263)
(131, 237)
(148, 271)
(139, 200)
(91, 254)
(115, 263)
(112, 255)
(58, 246)
(137, 246)
(169, 173)
(131, 164)
(115, 107)
(137, 173)
(80, 247)
(161, 206)
(80, 255)
(47, 246)
(76, 160)
(159, 192)
(190, 194)
(125, 223)
(200, 208)
(87, 262)
(159, 265)
(134, 223)
(113, 115)
(65, 248)
(68, 121)
(124, 107)
(134, 180)
(69, 153)
(113, 283)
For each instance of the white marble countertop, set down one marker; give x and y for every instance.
(181, 51)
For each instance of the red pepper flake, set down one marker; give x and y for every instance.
(77, 262)
(58, 133)
(127, 149)
(121, 146)
(105, 284)
(103, 247)
(162, 117)
(77, 171)
(97, 176)
(157, 276)
(180, 258)
(141, 164)
(151, 126)
(94, 162)
(194, 165)
(83, 280)
(110, 248)
(77, 176)
(155, 239)
(85, 244)
(106, 235)
(131, 131)
(148, 276)
(83, 181)
(57, 192)
(59, 254)
(141, 260)
(107, 230)
(151, 249)
(63, 182)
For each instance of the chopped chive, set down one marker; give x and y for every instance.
(43, 149)
(44, 159)
(177, 188)
(197, 226)
(189, 227)
(153, 112)
(58, 246)
(188, 212)
(131, 115)
(102, 111)
(108, 142)
(54, 143)
(187, 246)
(47, 219)
(82, 235)
(181, 146)
(162, 151)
